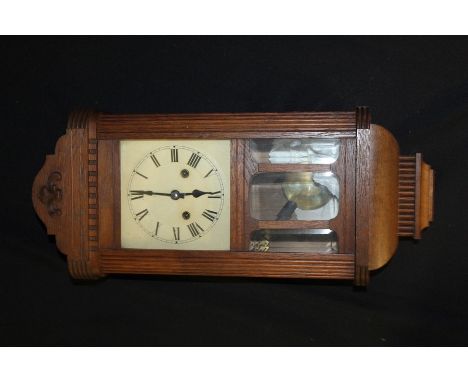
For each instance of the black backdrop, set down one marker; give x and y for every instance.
(417, 87)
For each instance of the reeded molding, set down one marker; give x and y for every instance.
(415, 195)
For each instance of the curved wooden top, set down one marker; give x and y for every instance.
(383, 219)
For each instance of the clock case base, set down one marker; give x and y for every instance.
(384, 195)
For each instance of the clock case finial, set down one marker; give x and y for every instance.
(394, 196)
(64, 195)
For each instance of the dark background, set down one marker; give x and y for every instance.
(416, 87)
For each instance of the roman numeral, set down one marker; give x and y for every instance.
(176, 231)
(142, 214)
(174, 155)
(136, 194)
(209, 172)
(214, 197)
(210, 215)
(155, 160)
(136, 172)
(194, 229)
(194, 159)
(157, 229)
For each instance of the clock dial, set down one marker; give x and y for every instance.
(176, 194)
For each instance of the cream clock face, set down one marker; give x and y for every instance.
(175, 194)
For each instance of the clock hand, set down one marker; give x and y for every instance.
(198, 193)
(141, 192)
(174, 194)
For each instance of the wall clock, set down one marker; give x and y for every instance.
(321, 195)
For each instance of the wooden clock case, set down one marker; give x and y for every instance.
(383, 195)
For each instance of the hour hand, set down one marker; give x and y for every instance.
(198, 193)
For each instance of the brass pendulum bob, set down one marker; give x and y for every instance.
(303, 192)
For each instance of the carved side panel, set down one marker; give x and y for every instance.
(64, 195)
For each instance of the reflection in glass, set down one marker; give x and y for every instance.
(294, 196)
(295, 151)
(294, 240)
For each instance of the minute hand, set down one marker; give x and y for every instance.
(198, 193)
(141, 192)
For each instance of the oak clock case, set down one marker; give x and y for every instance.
(321, 195)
